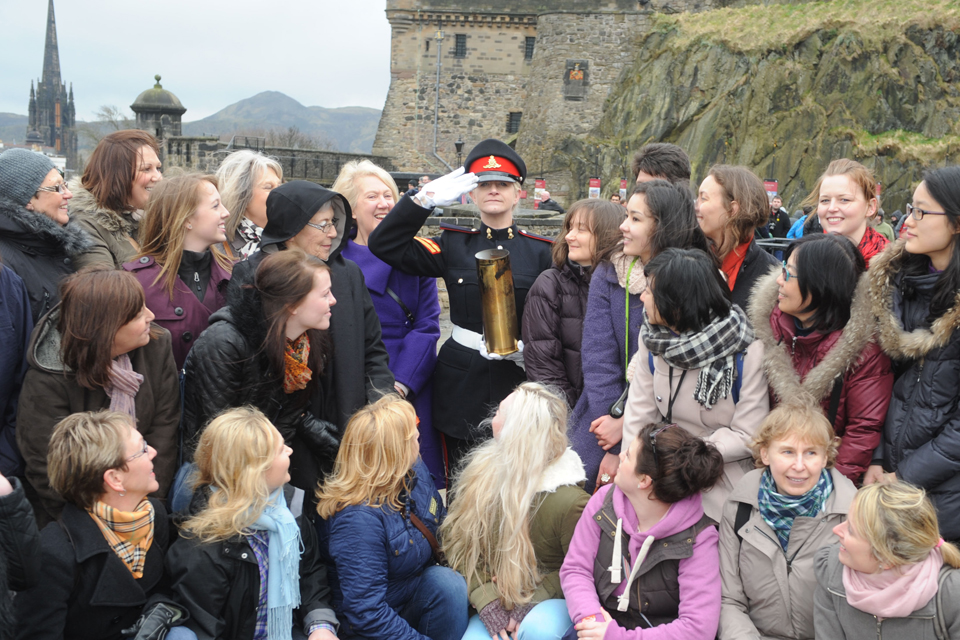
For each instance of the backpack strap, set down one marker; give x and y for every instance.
(743, 514)
(738, 381)
(650, 360)
(939, 623)
(835, 399)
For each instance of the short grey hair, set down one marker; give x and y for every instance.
(238, 174)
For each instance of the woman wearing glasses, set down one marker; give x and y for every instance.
(269, 348)
(37, 239)
(643, 553)
(914, 289)
(98, 349)
(305, 216)
(817, 329)
(699, 364)
(103, 562)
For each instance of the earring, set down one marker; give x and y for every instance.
(189, 226)
(122, 493)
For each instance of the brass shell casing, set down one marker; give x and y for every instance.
(501, 330)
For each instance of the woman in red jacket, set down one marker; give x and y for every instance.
(817, 329)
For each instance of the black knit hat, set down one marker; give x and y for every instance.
(21, 173)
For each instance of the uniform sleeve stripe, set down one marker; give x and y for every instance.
(430, 245)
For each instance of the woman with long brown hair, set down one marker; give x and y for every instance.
(268, 348)
(111, 195)
(183, 277)
(98, 349)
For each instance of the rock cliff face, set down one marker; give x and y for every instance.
(784, 89)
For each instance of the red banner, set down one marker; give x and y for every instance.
(594, 188)
(623, 191)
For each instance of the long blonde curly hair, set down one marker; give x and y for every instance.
(233, 455)
(487, 530)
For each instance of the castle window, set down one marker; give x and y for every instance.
(460, 51)
(428, 46)
(513, 121)
(528, 50)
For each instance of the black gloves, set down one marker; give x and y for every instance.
(156, 622)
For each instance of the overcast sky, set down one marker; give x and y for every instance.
(211, 53)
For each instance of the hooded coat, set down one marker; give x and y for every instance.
(113, 234)
(40, 251)
(921, 436)
(227, 368)
(811, 363)
(50, 393)
(679, 580)
(359, 372)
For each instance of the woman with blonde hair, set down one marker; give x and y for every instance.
(243, 563)
(514, 510)
(380, 513)
(102, 562)
(731, 205)
(183, 278)
(407, 305)
(776, 519)
(891, 575)
(110, 197)
(846, 200)
(246, 178)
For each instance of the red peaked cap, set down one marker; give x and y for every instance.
(495, 160)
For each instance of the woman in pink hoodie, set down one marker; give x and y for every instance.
(643, 562)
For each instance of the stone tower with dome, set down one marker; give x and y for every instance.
(159, 112)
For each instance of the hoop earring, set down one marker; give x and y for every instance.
(122, 494)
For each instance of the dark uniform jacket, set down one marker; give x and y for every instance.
(85, 590)
(466, 386)
(359, 372)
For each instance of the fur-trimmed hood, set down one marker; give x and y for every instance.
(895, 341)
(842, 356)
(565, 470)
(84, 205)
(35, 230)
(44, 350)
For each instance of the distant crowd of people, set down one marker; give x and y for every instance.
(224, 415)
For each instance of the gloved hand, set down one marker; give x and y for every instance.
(156, 622)
(446, 190)
(322, 438)
(516, 357)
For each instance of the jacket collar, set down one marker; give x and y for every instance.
(376, 272)
(844, 354)
(44, 349)
(565, 470)
(499, 235)
(838, 502)
(84, 204)
(894, 340)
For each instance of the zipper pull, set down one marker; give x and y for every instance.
(793, 346)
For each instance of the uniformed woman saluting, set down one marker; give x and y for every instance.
(467, 385)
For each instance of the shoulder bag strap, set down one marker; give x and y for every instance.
(835, 399)
(939, 623)
(406, 309)
(432, 539)
(743, 514)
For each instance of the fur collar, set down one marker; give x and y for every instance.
(84, 205)
(621, 265)
(894, 340)
(44, 351)
(844, 355)
(246, 314)
(566, 470)
(38, 228)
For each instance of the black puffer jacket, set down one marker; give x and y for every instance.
(227, 368)
(359, 372)
(756, 264)
(19, 553)
(219, 582)
(553, 328)
(921, 436)
(40, 251)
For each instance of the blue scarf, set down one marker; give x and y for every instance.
(779, 511)
(283, 576)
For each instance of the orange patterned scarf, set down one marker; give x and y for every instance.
(296, 373)
(129, 533)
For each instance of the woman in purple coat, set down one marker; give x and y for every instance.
(407, 305)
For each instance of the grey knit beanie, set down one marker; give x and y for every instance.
(21, 173)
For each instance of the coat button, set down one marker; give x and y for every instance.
(187, 336)
(144, 260)
(411, 540)
(666, 544)
(460, 281)
(243, 556)
(499, 246)
(178, 311)
(67, 261)
(396, 552)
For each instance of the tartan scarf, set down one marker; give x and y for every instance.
(296, 373)
(712, 350)
(129, 533)
(779, 511)
(123, 386)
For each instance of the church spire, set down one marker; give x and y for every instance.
(51, 53)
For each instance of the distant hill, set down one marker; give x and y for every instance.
(13, 128)
(347, 128)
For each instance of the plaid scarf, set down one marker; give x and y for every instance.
(296, 373)
(779, 511)
(129, 534)
(712, 350)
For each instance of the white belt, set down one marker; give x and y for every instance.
(469, 339)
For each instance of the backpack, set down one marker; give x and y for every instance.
(737, 382)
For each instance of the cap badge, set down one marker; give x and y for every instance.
(491, 164)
